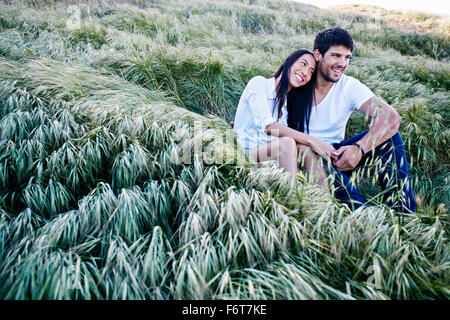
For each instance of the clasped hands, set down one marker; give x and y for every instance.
(343, 159)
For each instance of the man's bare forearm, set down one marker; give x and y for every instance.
(386, 122)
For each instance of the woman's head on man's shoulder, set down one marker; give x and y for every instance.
(296, 71)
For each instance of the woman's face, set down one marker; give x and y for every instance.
(302, 71)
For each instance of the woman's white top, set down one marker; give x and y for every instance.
(256, 110)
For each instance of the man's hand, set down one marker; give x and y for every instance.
(346, 158)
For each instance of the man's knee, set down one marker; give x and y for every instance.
(397, 139)
(395, 143)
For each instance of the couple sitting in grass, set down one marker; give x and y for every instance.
(301, 113)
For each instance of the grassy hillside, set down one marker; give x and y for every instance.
(98, 200)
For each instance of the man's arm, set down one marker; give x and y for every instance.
(385, 123)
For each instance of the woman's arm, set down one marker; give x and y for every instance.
(321, 148)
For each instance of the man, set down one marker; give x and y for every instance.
(336, 97)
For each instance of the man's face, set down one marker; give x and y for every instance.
(333, 63)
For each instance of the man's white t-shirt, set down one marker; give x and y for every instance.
(329, 118)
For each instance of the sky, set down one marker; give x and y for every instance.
(431, 6)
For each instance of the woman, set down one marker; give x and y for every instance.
(261, 121)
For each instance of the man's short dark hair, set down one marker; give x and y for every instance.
(333, 37)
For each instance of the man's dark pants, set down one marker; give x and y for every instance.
(388, 162)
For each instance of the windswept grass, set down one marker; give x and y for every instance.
(102, 196)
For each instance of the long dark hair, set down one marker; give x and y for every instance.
(299, 105)
(299, 100)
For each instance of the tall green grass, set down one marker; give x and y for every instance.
(102, 198)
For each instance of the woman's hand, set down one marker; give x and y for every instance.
(323, 149)
(347, 158)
